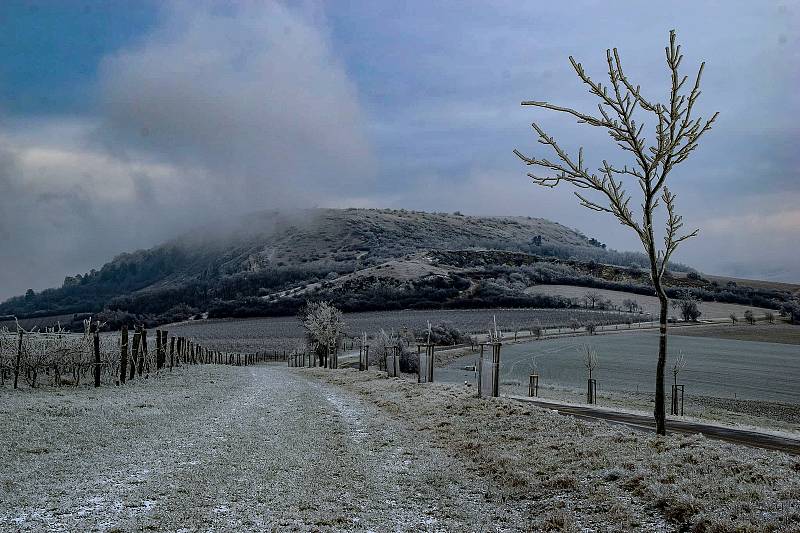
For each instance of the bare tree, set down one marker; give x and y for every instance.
(592, 298)
(589, 359)
(325, 325)
(687, 303)
(734, 318)
(769, 316)
(677, 134)
(630, 304)
(750, 317)
(680, 364)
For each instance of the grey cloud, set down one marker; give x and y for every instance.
(252, 104)
(215, 113)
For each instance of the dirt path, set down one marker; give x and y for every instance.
(232, 449)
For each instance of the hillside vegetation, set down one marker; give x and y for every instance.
(269, 263)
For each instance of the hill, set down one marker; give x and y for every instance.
(269, 263)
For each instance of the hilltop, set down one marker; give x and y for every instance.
(269, 263)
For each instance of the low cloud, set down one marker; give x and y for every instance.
(215, 113)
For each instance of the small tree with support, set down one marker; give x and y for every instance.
(363, 354)
(426, 361)
(677, 390)
(533, 385)
(590, 362)
(494, 341)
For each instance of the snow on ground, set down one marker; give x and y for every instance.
(213, 448)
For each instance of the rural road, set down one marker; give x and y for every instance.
(737, 436)
(228, 449)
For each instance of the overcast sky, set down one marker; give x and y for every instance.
(124, 123)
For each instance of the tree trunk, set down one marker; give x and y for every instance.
(659, 409)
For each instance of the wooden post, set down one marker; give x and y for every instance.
(419, 363)
(496, 369)
(158, 350)
(677, 400)
(533, 385)
(480, 373)
(123, 355)
(163, 352)
(171, 352)
(137, 337)
(591, 391)
(143, 351)
(431, 361)
(18, 360)
(96, 339)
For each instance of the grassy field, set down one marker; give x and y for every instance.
(648, 304)
(713, 367)
(758, 284)
(279, 333)
(41, 323)
(780, 333)
(731, 381)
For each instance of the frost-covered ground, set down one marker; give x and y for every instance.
(226, 449)
(560, 473)
(729, 381)
(270, 448)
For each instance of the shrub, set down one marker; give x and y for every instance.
(444, 334)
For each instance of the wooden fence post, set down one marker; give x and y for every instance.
(158, 350)
(171, 352)
(431, 361)
(96, 339)
(18, 360)
(137, 339)
(533, 385)
(162, 350)
(496, 369)
(143, 350)
(123, 355)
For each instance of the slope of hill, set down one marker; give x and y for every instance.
(278, 248)
(269, 263)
